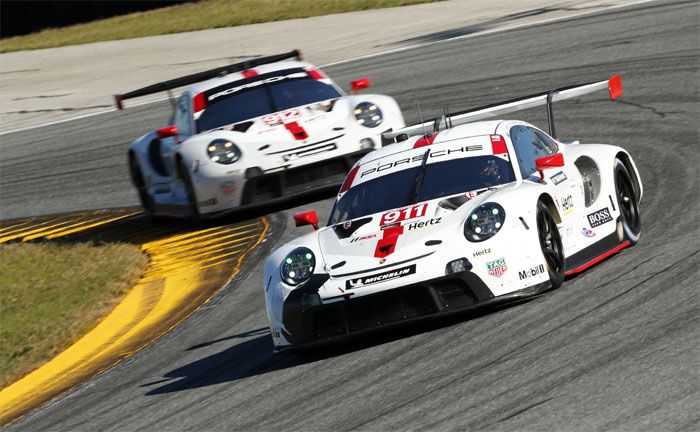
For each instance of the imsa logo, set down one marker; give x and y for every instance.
(380, 277)
(599, 218)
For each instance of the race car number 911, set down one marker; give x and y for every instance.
(412, 212)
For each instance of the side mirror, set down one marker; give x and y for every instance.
(552, 161)
(359, 84)
(306, 218)
(166, 132)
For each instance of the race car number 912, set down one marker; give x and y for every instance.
(412, 212)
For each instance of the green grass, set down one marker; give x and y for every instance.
(205, 14)
(51, 294)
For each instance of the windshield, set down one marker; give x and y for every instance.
(440, 180)
(258, 101)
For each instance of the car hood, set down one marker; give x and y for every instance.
(366, 242)
(303, 126)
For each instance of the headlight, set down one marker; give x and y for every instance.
(223, 151)
(484, 222)
(298, 266)
(368, 114)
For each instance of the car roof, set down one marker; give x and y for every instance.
(236, 76)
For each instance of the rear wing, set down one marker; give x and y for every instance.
(613, 85)
(203, 76)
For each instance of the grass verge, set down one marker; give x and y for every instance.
(52, 293)
(205, 14)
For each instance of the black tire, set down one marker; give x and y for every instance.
(550, 243)
(140, 184)
(627, 202)
(191, 196)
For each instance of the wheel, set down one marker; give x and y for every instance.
(140, 184)
(628, 202)
(550, 243)
(191, 196)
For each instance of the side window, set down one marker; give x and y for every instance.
(530, 144)
(181, 117)
(543, 141)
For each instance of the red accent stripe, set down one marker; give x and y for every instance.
(387, 244)
(599, 258)
(199, 102)
(426, 141)
(314, 74)
(250, 73)
(498, 144)
(297, 131)
(349, 179)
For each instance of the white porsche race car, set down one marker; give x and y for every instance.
(254, 132)
(474, 213)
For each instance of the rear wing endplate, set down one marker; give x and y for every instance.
(203, 76)
(613, 85)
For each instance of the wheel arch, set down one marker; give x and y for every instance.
(549, 202)
(626, 159)
(134, 162)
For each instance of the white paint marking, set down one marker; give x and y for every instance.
(391, 51)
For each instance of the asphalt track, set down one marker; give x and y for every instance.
(616, 348)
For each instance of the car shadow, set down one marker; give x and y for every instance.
(130, 225)
(256, 356)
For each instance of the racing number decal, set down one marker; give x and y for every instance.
(412, 212)
(281, 117)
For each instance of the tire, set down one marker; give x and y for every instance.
(627, 202)
(550, 244)
(191, 196)
(137, 177)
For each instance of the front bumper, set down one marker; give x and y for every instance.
(308, 322)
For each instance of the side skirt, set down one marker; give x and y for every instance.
(594, 254)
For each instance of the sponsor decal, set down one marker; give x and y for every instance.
(207, 203)
(347, 228)
(568, 231)
(471, 194)
(361, 238)
(412, 212)
(497, 267)
(534, 271)
(599, 218)
(227, 188)
(587, 233)
(380, 277)
(481, 253)
(418, 158)
(567, 204)
(416, 225)
(558, 178)
(280, 117)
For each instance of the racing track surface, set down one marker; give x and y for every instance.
(616, 348)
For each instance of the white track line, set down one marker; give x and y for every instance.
(391, 51)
